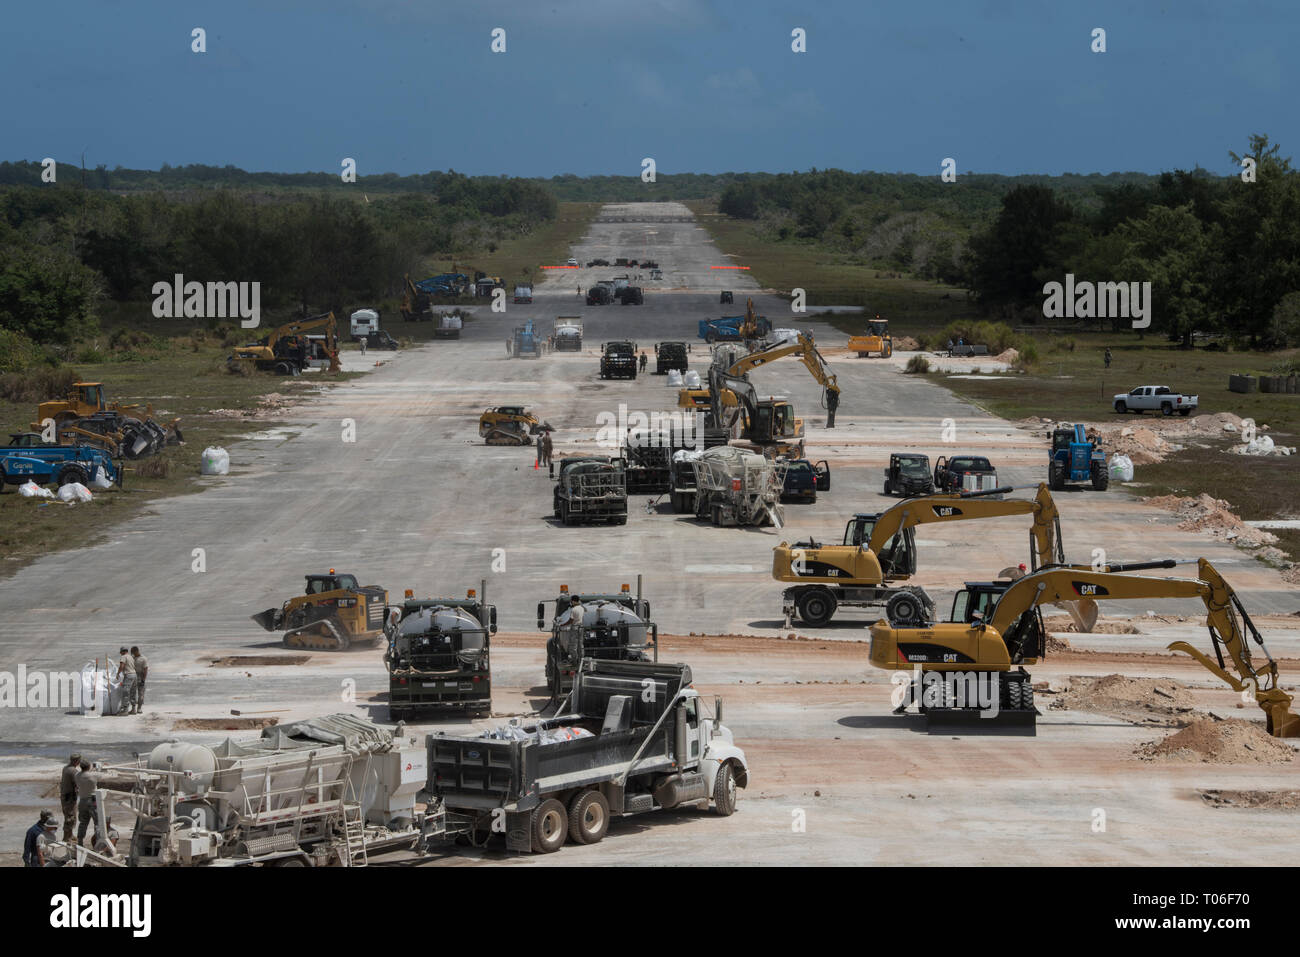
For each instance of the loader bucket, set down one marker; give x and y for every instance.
(266, 618)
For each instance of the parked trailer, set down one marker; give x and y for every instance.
(439, 654)
(325, 791)
(448, 327)
(593, 625)
(632, 737)
(56, 464)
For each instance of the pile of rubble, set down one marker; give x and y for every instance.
(1009, 356)
(271, 404)
(906, 344)
(1219, 742)
(1207, 514)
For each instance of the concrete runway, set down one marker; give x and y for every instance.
(417, 501)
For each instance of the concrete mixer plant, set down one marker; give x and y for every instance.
(326, 791)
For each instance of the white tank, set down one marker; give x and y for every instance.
(179, 757)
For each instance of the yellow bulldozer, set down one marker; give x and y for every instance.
(509, 425)
(333, 614)
(84, 416)
(996, 628)
(879, 550)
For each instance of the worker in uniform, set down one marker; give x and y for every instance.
(1107, 357)
(68, 795)
(141, 672)
(547, 448)
(35, 840)
(644, 360)
(87, 782)
(540, 453)
(126, 675)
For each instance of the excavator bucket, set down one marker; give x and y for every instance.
(267, 619)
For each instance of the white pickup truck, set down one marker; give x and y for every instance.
(1155, 397)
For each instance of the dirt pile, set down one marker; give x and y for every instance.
(906, 344)
(1208, 741)
(1206, 514)
(272, 404)
(1144, 446)
(1139, 700)
(1285, 800)
(1009, 356)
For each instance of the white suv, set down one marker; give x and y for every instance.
(571, 262)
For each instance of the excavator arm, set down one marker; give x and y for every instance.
(806, 349)
(1225, 617)
(1045, 535)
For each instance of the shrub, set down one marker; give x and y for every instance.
(156, 467)
(917, 363)
(17, 352)
(37, 385)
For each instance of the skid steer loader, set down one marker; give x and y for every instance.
(509, 425)
(333, 614)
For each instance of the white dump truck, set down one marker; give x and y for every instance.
(325, 791)
(631, 737)
(568, 334)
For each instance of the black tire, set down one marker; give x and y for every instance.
(1121, 407)
(1100, 478)
(816, 606)
(1026, 695)
(1055, 477)
(621, 520)
(289, 862)
(903, 608)
(588, 818)
(1184, 411)
(282, 368)
(888, 488)
(550, 827)
(72, 473)
(1166, 409)
(724, 792)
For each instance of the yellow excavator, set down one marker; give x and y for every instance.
(332, 614)
(804, 347)
(880, 549)
(997, 629)
(288, 350)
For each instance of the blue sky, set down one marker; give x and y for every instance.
(592, 87)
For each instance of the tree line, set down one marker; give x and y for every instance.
(64, 248)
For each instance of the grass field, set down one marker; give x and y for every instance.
(179, 382)
(911, 305)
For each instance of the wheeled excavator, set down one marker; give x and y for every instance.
(997, 629)
(332, 614)
(287, 349)
(880, 549)
(724, 393)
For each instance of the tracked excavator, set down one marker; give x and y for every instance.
(880, 549)
(997, 629)
(287, 350)
(333, 614)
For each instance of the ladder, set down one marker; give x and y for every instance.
(354, 833)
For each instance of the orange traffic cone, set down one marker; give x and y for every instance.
(535, 465)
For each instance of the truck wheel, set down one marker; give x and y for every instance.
(724, 792)
(550, 827)
(1184, 411)
(588, 818)
(903, 608)
(889, 490)
(1121, 407)
(73, 473)
(815, 606)
(1166, 409)
(1100, 478)
(1055, 478)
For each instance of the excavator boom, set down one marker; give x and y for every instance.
(806, 349)
(1012, 634)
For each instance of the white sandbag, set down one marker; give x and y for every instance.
(216, 461)
(101, 690)
(1261, 445)
(692, 379)
(32, 490)
(101, 479)
(783, 335)
(675, 378)
(1121, 468)
(74, 492)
